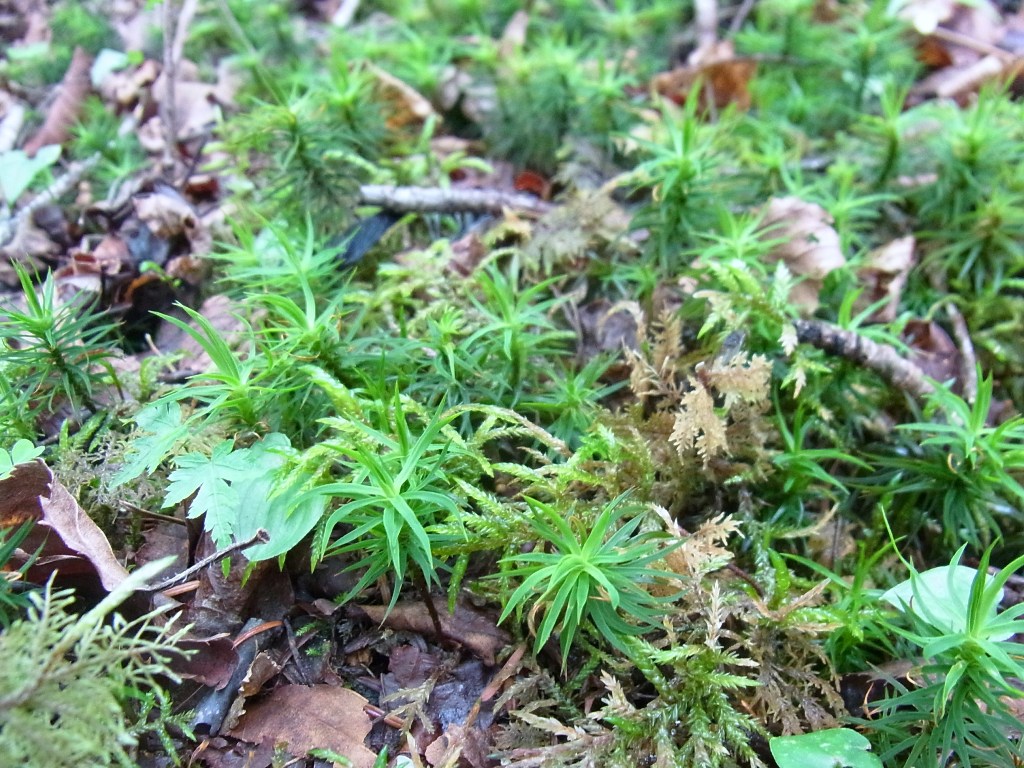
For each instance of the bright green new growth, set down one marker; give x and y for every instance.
(959, 469)
(593, 577)
(58, 351)
(395, 487)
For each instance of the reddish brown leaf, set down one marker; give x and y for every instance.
(212, 663)
(723, 78)
(469, 627)
(63, 114)
(78, 546)
(305, 718)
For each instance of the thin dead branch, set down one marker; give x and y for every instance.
(438, 200)
(260, 537)
(882, 359)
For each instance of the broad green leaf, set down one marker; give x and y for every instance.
(285, 513)
(832, 748)
(209, 478)
(21, 452)
(17, 170)
(237, 492)
(940, 596)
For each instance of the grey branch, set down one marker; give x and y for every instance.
(260, 537)
(440, 200)
(880, 358)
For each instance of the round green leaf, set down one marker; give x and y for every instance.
(832, 748)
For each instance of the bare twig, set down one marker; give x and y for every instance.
(440, 200)
(176, 22)
(879, 358)
(153, 515)
(706, 12)
(968, 359)
(10, 126)
(979, 46)
(61, 186)
(741, 16)
(345, 13)
(260, 537)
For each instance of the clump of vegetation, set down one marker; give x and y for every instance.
(70, 682)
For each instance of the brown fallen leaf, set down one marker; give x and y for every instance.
(212, 661)
(406, 107)
(884, 275)
(305, 718)
(220, 311)
(809, 245)
(31, 247)
(722, 77)
(933, 351)
(76, 544)
(223, 603)
(168, 215)
(469, 627)
(63, 114)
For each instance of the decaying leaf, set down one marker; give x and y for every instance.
(219, 310)
(723, 78)
(169, 215)
(809, 245)
(473, 629)
(932, 350)
(75, 545)
(884, 275)
(302, 718)
(406, 107)
(63, 114)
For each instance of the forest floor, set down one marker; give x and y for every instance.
(474, 383)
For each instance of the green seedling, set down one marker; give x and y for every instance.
(592, 577)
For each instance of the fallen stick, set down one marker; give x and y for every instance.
(441, 200)
(880, 358)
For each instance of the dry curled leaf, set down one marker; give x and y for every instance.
(302, 718)
(63, 114)
(722, 77)
(808, 245)
(884, 275)
(473, 629)
(75, 545)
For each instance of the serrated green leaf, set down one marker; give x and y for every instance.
(162, 421)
